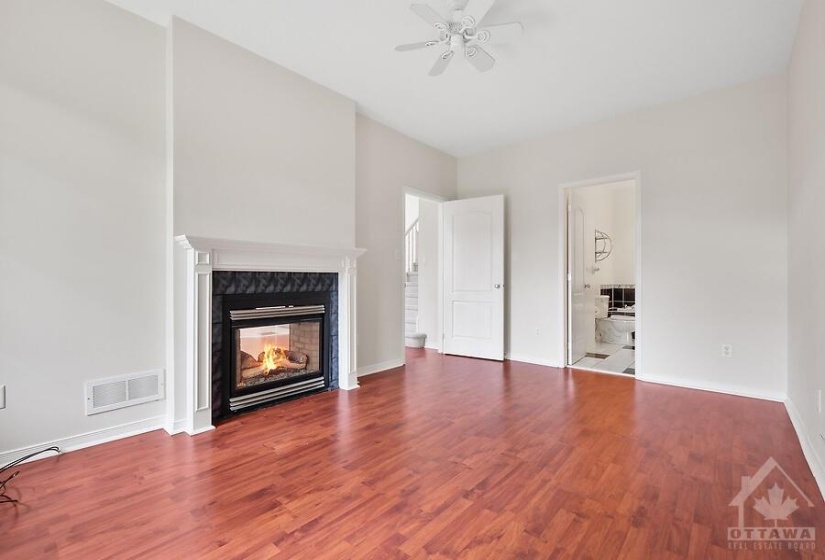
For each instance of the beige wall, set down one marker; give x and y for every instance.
(624, 236)
(714, 233)
(428, 273)
(806, 271)
(81, 214)
(386, 163)
(260, 153)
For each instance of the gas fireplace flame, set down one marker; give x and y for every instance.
(273, 358)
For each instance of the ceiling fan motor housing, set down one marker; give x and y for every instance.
(457, 42)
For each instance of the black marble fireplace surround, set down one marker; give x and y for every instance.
(279, 285)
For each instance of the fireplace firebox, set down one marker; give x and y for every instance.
(276, 346)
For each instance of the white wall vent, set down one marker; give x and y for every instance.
(112, 393)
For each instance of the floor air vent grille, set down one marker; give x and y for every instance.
(112, 393)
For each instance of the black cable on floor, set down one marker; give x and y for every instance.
(5, 498)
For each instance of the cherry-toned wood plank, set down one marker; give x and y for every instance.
(445, 458)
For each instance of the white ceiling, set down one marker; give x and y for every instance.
(580, 60)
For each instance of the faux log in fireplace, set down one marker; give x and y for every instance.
(276, 346)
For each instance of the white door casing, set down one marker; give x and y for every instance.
(579, 314)
(473, 292)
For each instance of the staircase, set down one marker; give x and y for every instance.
(412, 337)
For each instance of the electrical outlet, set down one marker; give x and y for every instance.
(727, 350)
(538, 332)
(2, 396)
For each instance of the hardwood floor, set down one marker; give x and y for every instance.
(447, 458)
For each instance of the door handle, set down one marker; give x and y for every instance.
(497, 286)
(586, 286)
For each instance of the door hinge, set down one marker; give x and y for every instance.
(569, 208)
(569, 277)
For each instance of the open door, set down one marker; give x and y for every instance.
(473, 253)
(578, 313)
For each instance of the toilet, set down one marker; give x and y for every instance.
(614, 327)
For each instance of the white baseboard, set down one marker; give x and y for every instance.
(202, 430)
(176, 427)
(73, 443)
(808, 449)
(377, 368)
(713, 387)
(532, 360)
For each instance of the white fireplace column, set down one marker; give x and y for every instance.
(189, 382)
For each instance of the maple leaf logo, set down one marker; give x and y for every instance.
(776, 507)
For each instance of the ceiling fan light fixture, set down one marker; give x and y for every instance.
(458, 31)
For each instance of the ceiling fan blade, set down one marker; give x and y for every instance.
(479, 58)
(429, 15)
(503, 33)
(415, 46)
(478, 9)
(442, 63)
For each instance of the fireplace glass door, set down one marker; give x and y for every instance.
(275, 352)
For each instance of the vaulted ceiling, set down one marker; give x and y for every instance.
(579, 61)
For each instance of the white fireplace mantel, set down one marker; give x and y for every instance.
(189, 394)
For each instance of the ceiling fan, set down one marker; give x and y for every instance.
(460, 33)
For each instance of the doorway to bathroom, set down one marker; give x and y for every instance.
(601, 264)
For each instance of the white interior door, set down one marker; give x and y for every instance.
(578, 313)
(473, 293)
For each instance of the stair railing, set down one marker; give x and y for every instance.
(411, 244)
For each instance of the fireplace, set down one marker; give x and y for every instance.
(274, 336)
(212, 276)
(275, 347)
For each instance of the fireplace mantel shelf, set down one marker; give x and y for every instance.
(189, 405)
(232, 254)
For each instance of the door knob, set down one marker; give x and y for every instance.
(497, 286)
(587, 286)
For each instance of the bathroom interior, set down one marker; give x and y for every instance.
(608, 254)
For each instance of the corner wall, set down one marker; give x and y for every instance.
(806, 239)
(81, 216)
(713, 224)
(386, 162)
